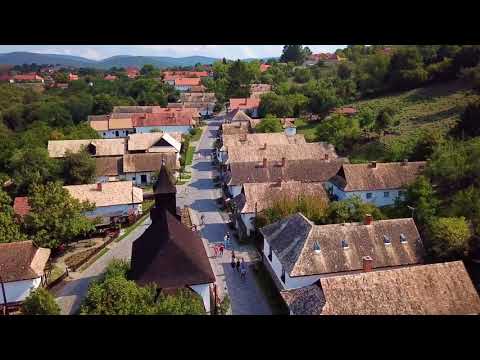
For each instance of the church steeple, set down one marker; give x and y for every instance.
(165, 191)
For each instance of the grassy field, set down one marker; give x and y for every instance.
(189, 155)
(433, 107)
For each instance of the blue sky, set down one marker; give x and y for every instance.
(98, 52)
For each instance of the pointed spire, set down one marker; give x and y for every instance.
(164, 184)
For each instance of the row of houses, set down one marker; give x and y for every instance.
(135, 158)
(126, 120)
(344, 268)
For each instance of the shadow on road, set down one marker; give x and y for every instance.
(203, 184)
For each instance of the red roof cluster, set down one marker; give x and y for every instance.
(110, 77)
(132, 72)
(324, 56)
(72, 77)
(185, 74)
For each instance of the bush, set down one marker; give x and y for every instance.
(449, 237)
(269, 125)
(40, 302)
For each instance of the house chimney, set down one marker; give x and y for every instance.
(367, 263)
(373, 164)
(284, 160)
(405, 162)
(368, 219)
(326, 156)
(99, 186)
(264, 162)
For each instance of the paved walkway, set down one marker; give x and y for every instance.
(70, 294)
(200, 194)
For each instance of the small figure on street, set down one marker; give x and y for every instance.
(233, 263)
(243, 270)
(221, 248)
(238, 265)
(202, 220)
(215, 250)
(233, 255)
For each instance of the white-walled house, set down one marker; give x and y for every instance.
(298, 253)
(141, 168)
(22, 268)
(111, 199)
(257, 197)
(377, 183)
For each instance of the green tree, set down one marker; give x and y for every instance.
(239, 77)
(183, 302)
(351, 210)
(294, 53)
(80, 106)
(339, 131)
(406, 69)
(449, 237)
(103, 104)
(469, 124)
(466, 203)
(149, 71)
(9, 228)
(384, 118)
(32, 166)
(423, 198)
(269, 125)
(40, 302)
(78, 168)
(55, 217)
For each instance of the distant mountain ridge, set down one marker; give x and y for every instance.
(20, 58)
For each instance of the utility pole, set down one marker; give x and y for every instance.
(4, 297)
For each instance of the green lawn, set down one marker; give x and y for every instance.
(307, 128)
(189, 155)
(198, 134)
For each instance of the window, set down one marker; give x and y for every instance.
(369, 195)
(403, 238)
(104, 134)
(400, 193)
(386, 240)
(283, 275)
(316, 247)
(386, 194)
(270, 254)
(345, 244)
(116, 133)
(143, 179)
(133, 178)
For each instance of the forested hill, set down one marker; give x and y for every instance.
(20, 58)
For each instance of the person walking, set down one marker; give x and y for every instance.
(221, 248)
(243, 270)
(233, 263)
(202, 219)
(238, 265)
(215, 250)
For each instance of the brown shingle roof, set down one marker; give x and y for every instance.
(261, 139)
(277, 152)
(263, 195)
(238, 127)
(396, 175)
(305, 170)
(103, 147)
(237, 115)
(434, 289)
(108, 166)
(244, 103)
(120, 123)
(198, 97)
(294, 238)
(22, 260)
(112, 193)
(169, 254)
(146, 162)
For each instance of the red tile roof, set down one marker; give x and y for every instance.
(180, 74)
(346, 110)
(173, 118)
(187, 81)
(324, 56)
(264, 67)
(244, 103)
(21, 207)
(110, 77)
(27, 77)
(72, 77)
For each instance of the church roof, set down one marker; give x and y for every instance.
(164, 184)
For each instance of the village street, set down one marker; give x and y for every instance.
(200, 194)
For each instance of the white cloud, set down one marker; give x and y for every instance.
(91, 53)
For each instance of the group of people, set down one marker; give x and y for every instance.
(241, 267)
(218, 249)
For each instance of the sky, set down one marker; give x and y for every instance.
(99, 52)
